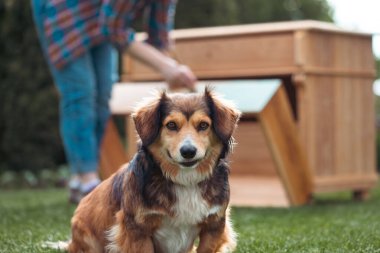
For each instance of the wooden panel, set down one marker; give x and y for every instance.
(284, 142)
(255, 50)
(228, 57)
(347, 127)
(366, 116)
(112, 153)
(262, 28)
(251, 155)
(346, 182)
(258, 191)
(316, 124)
(131, 136)
(337, 125)
(327, 52)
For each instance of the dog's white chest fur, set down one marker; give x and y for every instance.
(177, 233)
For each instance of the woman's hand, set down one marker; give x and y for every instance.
(179, 76)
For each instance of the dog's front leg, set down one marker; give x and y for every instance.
(127, 236)
(137, 245)
(216, 236)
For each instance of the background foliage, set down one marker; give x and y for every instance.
(198, 13)
(29, 135)
(29, 138)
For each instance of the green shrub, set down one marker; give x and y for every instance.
(200, 13)
(29, 136)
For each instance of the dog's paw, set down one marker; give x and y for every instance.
(59, 245)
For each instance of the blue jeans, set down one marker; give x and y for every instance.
(85, 87)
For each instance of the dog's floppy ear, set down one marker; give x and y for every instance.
(223, 114)
(148, 118)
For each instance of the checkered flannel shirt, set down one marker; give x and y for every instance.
(73, 26)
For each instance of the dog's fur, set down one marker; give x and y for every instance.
(161, 202)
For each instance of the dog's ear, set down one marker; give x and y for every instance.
(223, 114)
(148, 118)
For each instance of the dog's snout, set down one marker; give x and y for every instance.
(188, 151)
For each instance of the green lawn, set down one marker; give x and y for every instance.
(332, 224)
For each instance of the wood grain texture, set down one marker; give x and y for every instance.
(131, 137)
(258, 191)
(282, 136)
(235, 57)
(337, 125)
(266, 50)
(112, 153)
(251, 156)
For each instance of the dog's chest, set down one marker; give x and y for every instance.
(177, 233)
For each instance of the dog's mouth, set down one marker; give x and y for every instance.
(189, 164)
(184, 164)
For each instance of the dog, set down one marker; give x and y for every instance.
(173, 191)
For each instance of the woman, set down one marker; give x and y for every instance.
(77, 38)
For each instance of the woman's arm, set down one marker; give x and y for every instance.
(176, 75)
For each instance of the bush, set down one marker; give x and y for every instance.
(29, 137)
(227, 12)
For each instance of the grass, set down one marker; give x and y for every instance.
(333, 223)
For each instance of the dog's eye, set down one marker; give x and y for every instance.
(172, 126)
(203, 126)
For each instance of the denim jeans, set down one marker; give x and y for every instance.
(85, 87)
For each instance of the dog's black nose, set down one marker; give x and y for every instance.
(188, 151)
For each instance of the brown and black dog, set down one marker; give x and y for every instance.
(173, 191)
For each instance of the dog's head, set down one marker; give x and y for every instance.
(187, 133)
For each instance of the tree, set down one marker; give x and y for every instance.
(199, 13)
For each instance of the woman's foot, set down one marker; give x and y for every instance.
(81, 185)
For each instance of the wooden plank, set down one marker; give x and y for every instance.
(251, 156)
(126, 96)
(254, 51)
(366, 117)
(131, 136)
(346, 182)
(337, 125)
(346, 127)
(321, 113)
(263, 28)
(282, 135)
(257, 191)
(342, 54)
(112, 153)
(243, 72)
(235, 57)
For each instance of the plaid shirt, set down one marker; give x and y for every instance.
(73, 26)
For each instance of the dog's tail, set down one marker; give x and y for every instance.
(62, 246)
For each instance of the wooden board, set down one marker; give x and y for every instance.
(112, 153)
(284, 142)
(251, 156)
(257, 191)
(340, 137)
(259, 50)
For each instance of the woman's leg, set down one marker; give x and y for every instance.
(76, 83)
(77, 86)
(105, 60)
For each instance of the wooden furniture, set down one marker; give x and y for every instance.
(328, 75)
(263, 101)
